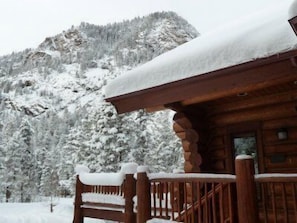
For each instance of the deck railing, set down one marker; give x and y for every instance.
(107, 196)
(192, 197)
(202, 198)
(277, 195)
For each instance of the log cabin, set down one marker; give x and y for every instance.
(234, 91)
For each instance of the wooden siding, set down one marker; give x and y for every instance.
(264, 111)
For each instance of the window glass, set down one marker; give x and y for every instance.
(246, 145)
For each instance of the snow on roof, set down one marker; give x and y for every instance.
(292, 10)
(260, 35)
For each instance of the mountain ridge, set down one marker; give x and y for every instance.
(52, 109)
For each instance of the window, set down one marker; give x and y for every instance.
(246, 144)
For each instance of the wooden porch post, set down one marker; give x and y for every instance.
(130, 192)
(246, 189)
(143, 188)
(78, 218)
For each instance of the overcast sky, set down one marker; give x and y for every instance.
(26, 23)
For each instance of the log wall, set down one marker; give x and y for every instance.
(268, 114)
(184, 129)
(205, 130)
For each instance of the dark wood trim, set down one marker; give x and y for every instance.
(248, 76)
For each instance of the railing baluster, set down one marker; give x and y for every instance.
(264, 203)
(206, 217)
(221, 204)
(285, 207)
(185, 202)
(273, 201)
(166, 199)
(213, 202)
(294, 200)
(192, 201)
(172, 200)
(230, 203)
(179, 199)
(199, 209)
(161, 199)
(154, 198)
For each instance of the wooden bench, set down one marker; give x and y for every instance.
(106, 196)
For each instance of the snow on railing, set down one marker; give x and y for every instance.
(275, 175)
(105, 195)
(105, 179)
(197, 176)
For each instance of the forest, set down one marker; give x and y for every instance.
(53, 115)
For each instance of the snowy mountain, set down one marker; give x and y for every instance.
(52, 109)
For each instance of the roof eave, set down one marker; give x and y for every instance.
(224, 82)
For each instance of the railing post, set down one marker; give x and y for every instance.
(246, 189)
(78, 218)
(143, 190)
(130, 192)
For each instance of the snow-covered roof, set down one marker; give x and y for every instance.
(260, 35)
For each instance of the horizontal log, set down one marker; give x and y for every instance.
(289, 162)
(190, 168)
(188, 146)
(188, 135)
(261, 113)
(177, 128)
(104, 214)
(288, 122)
(193, 157)
(281, 149)
(217, 141)
(103, 205)
(187, 156)
(182, 120)
(218, 152)
(234, 83)
(253, 102)
(280, 217)
(218, 164)
(270, 136)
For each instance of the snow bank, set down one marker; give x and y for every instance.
(263, 34)
(39, 212)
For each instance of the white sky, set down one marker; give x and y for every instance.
(26, 23)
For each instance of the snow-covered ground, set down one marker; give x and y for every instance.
(39, 212)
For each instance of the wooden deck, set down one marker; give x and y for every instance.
(202, 198)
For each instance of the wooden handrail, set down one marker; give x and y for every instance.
(201, 202)
(183, 192)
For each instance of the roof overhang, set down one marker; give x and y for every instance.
(249, 76)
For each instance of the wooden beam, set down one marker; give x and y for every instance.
(260, 113)
(249, 76)
(252, 102)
